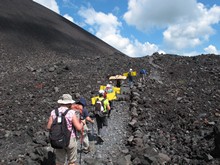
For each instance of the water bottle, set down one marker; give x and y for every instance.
(59, 118)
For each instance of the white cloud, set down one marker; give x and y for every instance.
(192, 33)
(107, 27)
(145, 14)
(50, 4)
(68, 17)
(211, 50)
(187, 23)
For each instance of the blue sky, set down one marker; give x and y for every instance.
(142, 27)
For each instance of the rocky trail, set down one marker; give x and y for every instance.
(111, 150)
(154, 74)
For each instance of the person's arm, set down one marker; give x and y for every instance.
(89, 119)
(86, 115)
(49, 123)
(108, 106)
(76, 123)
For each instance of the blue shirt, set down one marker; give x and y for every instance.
(85, 113)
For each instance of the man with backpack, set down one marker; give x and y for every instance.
(143, 73)
(130, 77)
(84, 116)
(109, 89)
(65, 119)
(101, 111)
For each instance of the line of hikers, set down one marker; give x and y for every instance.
(69, 120)
(74, 115)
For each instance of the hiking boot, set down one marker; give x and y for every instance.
(100, 139)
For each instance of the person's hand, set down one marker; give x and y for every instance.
(83, 121)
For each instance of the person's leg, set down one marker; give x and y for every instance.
(105, 121)
(85, 138)
(102, 128)
(111, 107)
(99, 124)
(72, 151)
(103, 131)
(130, 83)
(60, 156)
(99, 129)
(141, 76)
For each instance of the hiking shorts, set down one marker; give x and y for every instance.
(101, 121)
(70, 152)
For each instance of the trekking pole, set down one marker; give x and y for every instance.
(92, 132)
(81, 142)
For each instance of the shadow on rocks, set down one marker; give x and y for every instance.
(215, 134)
(49, 160)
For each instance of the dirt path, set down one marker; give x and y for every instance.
(110, 149)
(154, 71)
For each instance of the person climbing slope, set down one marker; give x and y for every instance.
(101, 111)
(109, 89)
(85, 117)
(70, 151)
(143, 73)
(130, 77)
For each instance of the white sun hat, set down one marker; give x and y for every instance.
(66, 99)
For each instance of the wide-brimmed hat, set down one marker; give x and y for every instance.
(66, 99)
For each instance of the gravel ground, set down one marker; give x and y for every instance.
(109, 151)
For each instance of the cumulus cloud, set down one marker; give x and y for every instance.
(145, 14)
(211, 50)
(193, 33)
(50, 4)
(107, 27)
(187, 23)
(68, 17)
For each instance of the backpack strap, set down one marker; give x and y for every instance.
(102, 101)
(64, 114)
(56, 112)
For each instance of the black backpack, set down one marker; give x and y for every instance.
(99, 108)
(59, 134)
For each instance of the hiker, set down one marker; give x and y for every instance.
(143, 73)
(109, 89)
(130, 77)
(70, 151)
(101, 118)
(85, 117)
(118, 83)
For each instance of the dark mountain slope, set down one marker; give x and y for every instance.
(26, 20)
